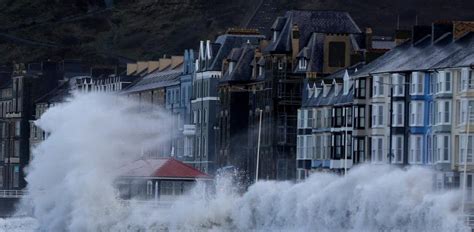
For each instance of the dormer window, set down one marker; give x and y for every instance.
(231, 66)
(302, 64)
(280, 65)
(275, 35)
(260, 70)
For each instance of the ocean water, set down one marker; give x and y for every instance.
(72, 173)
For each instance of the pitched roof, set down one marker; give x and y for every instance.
(156, 79)
(310, 22)
(223, 46)
(423, 55)
(162, 168)
(243, 67)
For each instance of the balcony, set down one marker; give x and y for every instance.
(189, 129)
(339, 164)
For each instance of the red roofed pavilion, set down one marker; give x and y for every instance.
(159, 179)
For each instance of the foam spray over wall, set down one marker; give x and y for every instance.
(71, 176)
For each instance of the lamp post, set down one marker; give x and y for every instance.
(258, 145)
(463, 200)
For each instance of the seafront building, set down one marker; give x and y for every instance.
(410, 107)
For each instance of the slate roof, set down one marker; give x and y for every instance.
(224, 45)
(156, 79)
(423, 55)
(167, 168)
(308, 23)
(330, 99)
(243, 66)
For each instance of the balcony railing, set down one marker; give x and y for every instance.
(13, 193)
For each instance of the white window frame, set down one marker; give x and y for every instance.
(378, 149)
(398, 114)
(442, 112)
(417, 83)
(417, 113)
(378, 115)
(397, 149)
(378, 86)
(302, 64)
(442, 148)
(398, 82)
(416, 149)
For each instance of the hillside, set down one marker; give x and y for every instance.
(147, 29)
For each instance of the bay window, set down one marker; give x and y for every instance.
(377, 149)
(399, 86)
(377, 86)
(416, 83)
(377, 115)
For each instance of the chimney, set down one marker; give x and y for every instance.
(401, 36)
(142, 65)
(176, 61)
(164, 63)
(153, 65)
(368, 38)
(131, 68)
(419, 32)
(461, 28)
(438, 29)
(295, 41)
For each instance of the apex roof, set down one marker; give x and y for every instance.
(166, 168)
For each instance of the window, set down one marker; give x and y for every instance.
(399, 86)
(442, 148)
(309, 121)
(280, 65)
(377, 149)
(149, 188)
(377, 115)
(338, 117)
(397, 149)
(360, 88)
(318, 119)
(397, 115)
(429, 149)
(443, 108)
(17, 128)
(377, 86)
(465, 148)
(359, 115)
(337, 54)
(348, 118)
(16, 176)
(16, 147)
(302, 64)
(416, 83)
(464, 107)
(299, 146)
(318, 154)
(195, 117)
(443, 82)
(166, 188)
(415, 149)
(359, 149)
(1, 176)
(448, 82)
(416, 113)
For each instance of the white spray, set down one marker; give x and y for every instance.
(72, 173)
